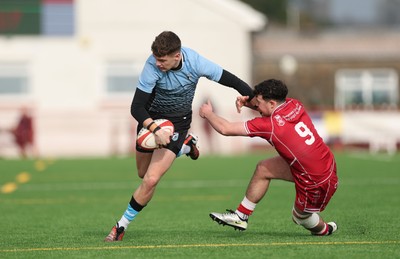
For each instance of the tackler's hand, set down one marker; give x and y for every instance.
(205, 109)
(240, 102)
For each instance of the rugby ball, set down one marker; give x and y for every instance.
(146, 139)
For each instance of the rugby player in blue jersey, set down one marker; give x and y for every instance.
(166, 90)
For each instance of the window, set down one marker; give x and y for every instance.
(13, 79)
(57, 17)
(37, 17)
(361, 89)
(122, 77)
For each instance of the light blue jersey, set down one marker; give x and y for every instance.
(174, 90)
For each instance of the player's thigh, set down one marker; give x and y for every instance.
(143, 160)
(274, 168)
(316, 198)
(161, 161)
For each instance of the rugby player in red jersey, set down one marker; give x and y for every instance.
(303, 157)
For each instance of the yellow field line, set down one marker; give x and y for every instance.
(200, 245)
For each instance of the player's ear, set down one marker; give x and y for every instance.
(177, 55)
(273, 103)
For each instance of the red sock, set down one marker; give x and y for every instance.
(323, 232)
(244, 210)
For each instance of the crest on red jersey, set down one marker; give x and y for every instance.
(279, 120)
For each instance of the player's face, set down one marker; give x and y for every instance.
(265, 108)
(168, 62)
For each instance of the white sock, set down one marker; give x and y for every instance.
(185, 149)
(123, 222)
(127, 217)
(242, 215)
(246, 206)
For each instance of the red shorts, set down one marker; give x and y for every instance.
(315, 198)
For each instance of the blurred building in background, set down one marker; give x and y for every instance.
(342, 59)
(75, 65)
(344, 13)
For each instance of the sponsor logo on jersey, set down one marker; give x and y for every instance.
(292, 114)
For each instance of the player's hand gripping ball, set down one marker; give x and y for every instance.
(147, 140)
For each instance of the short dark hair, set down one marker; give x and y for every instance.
(166, 43)
(271, 89)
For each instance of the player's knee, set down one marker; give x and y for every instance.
(308, 222)
(150, 181)
(262, 170)
(260, 166)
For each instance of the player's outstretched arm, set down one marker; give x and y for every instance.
(221, 125)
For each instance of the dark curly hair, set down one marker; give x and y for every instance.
(166, 43)
(271, 89)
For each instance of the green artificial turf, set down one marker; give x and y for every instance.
(63, 208)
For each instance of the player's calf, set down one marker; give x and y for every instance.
(314, 223)
(307, 221)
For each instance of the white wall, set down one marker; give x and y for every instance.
(380, 130)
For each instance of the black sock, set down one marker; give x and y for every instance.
(136, 206)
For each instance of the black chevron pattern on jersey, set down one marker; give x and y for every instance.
(173, 102)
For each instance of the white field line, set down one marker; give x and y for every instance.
(376, 157)
(186, 184)
(129, 185)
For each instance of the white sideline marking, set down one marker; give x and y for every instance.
(376, 157)
(169, 184)
(130, 185)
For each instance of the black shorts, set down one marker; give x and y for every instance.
(181, 125)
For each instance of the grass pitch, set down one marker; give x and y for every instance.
(64, 208)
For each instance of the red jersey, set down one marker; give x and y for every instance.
(291, 132)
